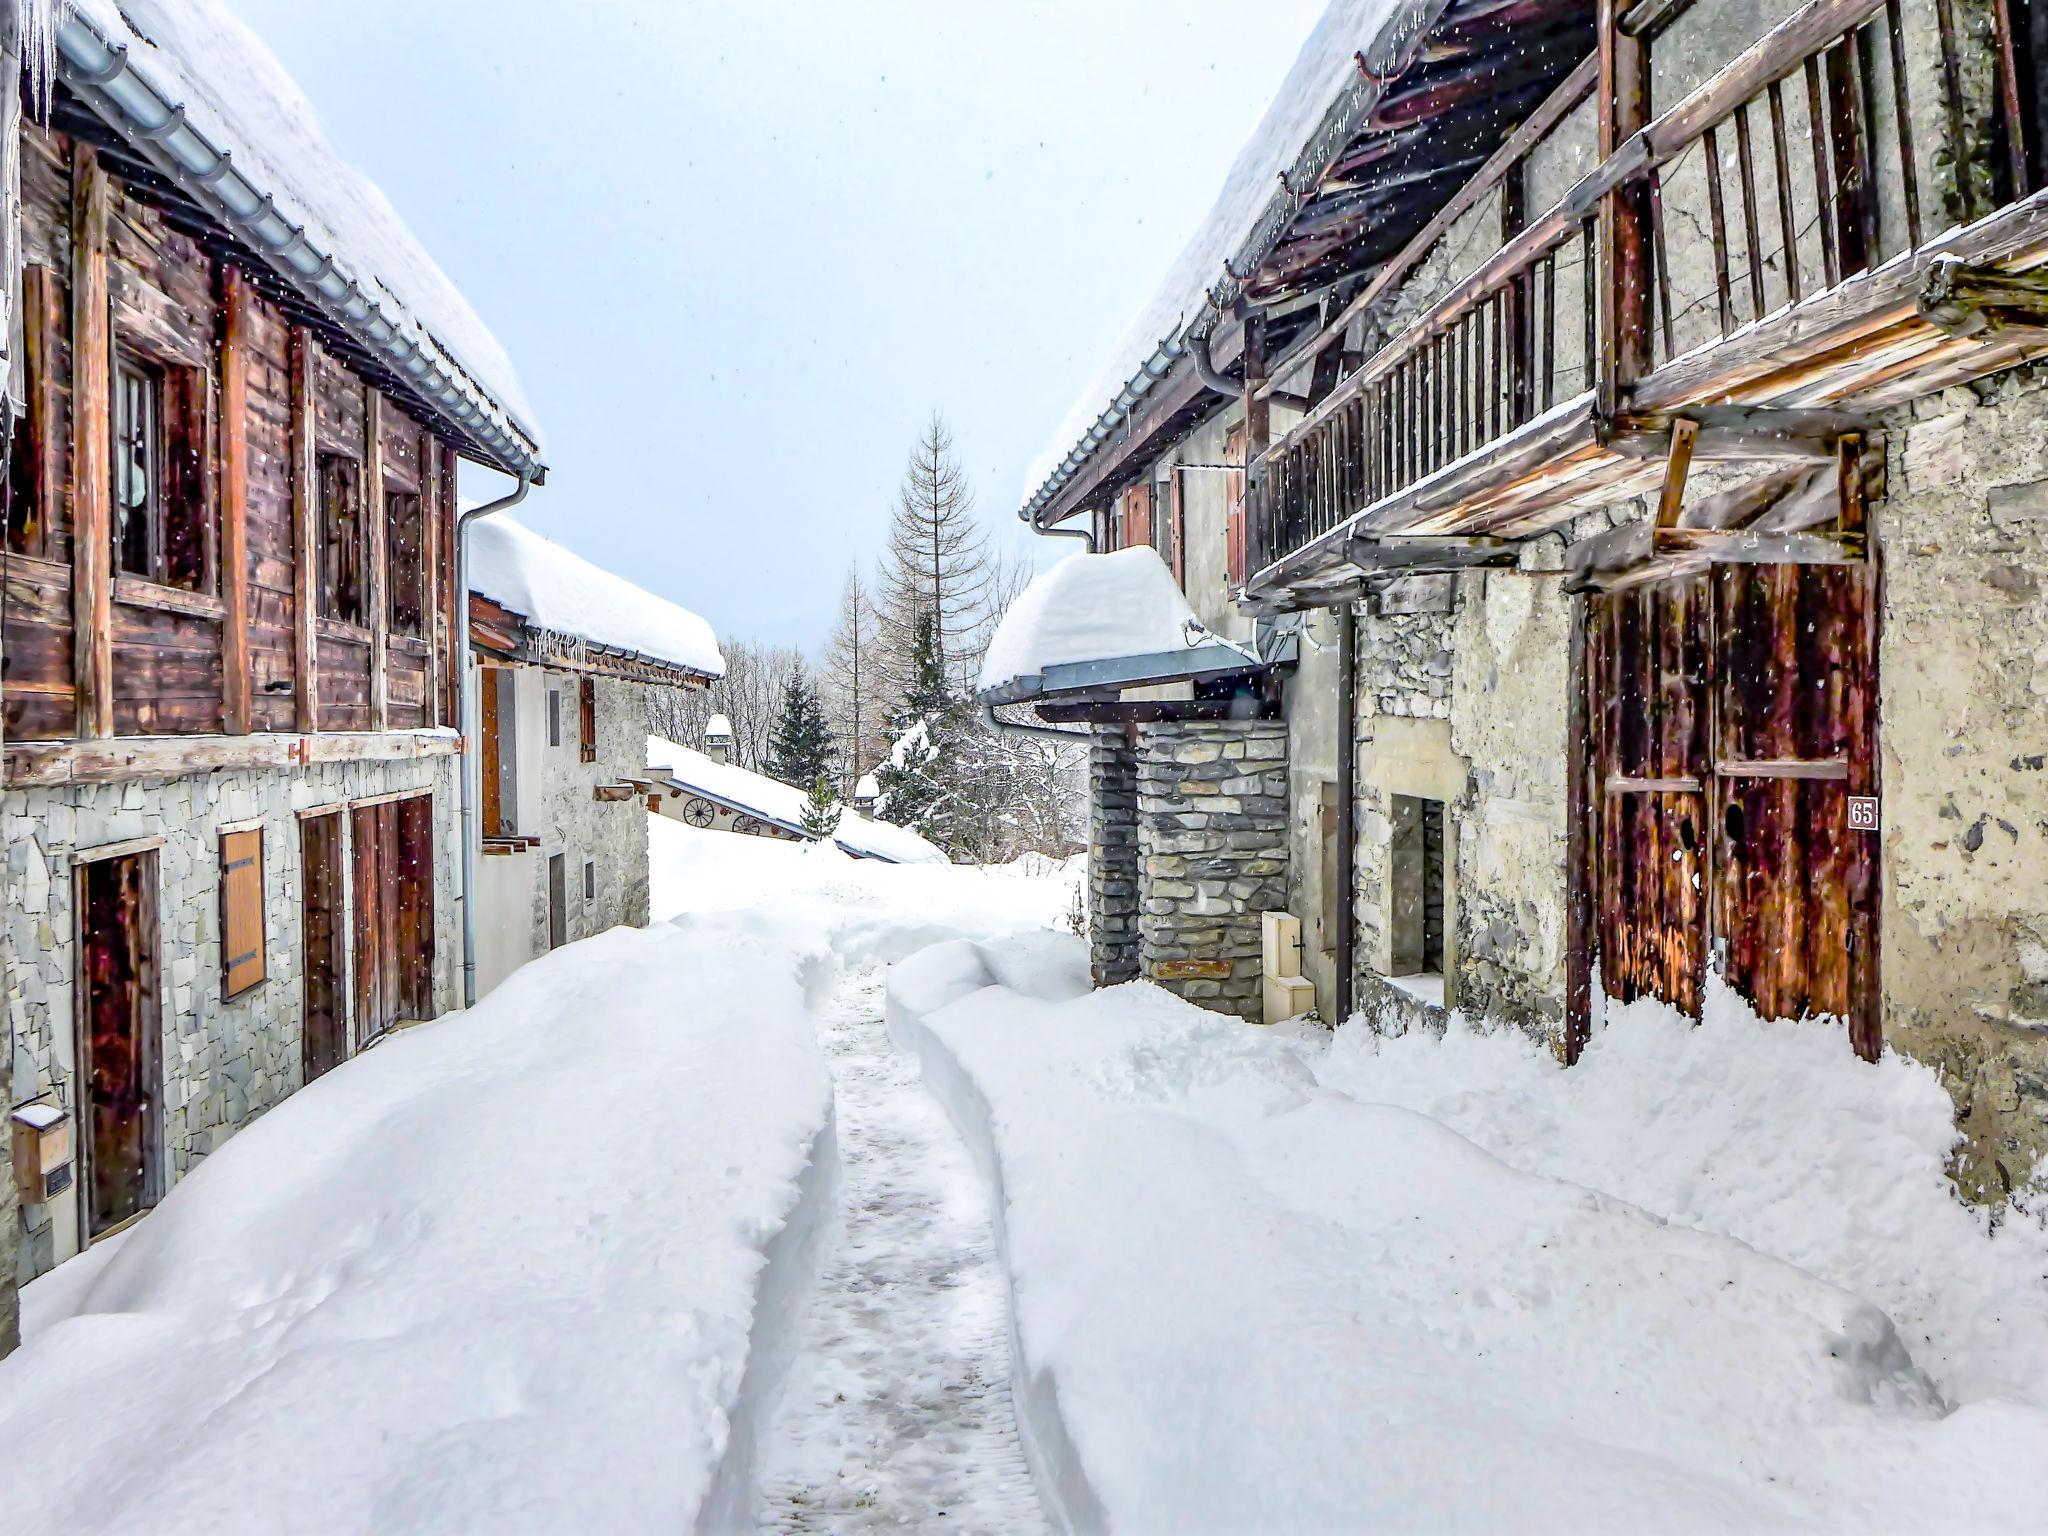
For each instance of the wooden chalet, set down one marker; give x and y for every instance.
(229, 646)
(1636, 408)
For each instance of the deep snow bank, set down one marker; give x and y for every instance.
(499, 1273)
(1247, 1300)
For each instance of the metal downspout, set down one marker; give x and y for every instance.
(471, 781)
(1347, 809)
(996, 723)
(1205, 370)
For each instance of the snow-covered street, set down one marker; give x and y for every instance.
(897, 1414)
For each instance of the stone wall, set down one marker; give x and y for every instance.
(1212, 840)
(1963, 730)
(1113, 875)
(225, 1062)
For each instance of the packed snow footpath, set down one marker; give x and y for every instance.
(1710, 1279)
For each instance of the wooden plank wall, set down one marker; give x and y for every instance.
(165, 657)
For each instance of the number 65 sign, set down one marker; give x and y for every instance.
(1863, 813)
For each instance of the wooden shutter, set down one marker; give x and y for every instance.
(1234, 525)
(241, 911)
(1177, 526)
(489, 748)
(586, 706)
(1138, 516)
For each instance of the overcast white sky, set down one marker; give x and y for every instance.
(739, 249)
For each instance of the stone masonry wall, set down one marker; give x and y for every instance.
(1963, 733)
(1112, 858)
(576, 824)
(225, 1062)
(1212, 840)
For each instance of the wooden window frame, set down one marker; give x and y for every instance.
(586, 719)
(406, 567)
(332, 547)
(244, 956)
(182, 516)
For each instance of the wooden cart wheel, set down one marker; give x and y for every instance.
(699, 812)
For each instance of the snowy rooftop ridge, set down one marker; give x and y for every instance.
(227, 93)
(772, 800)
(1295, 127)
(1091, 608)
(555, 589)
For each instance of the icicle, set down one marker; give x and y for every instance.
(40, 21)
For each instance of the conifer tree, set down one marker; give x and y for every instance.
(916, 782)
(801, 749)
(821, 810)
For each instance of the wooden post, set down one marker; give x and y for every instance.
(1685, 432)
(305, 534)
(1579, 842)
(1624, 107)
(92, 451)
(234, 507)
(1258, 411)
(374, 529)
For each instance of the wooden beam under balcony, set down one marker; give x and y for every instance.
(1408, 554)
(1791, 434)
(1963, 300)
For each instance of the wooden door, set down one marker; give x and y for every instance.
(394, 913)
(325, 960)
(120, 1025)
(1734, 719)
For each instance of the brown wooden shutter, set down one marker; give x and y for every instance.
(36, 476)
(488, 749)
(1138, 516)
(241, 911)
(1177, 526)
(586, 701)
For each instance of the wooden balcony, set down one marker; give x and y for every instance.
(1768, 247)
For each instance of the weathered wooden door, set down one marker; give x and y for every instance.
(325, 961)
(394, 913)
(1734, 732)
(120, 1027)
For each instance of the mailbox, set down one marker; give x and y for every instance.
(42, 1151)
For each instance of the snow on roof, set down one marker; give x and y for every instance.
(867, 788)
(556, 589)
(756, 793)
(772, 800)
(1323, 67)
(197, 54)
(717, 726)
(1091, 608)
(857, 834)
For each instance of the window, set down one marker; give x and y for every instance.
(589, 880)
(161, 515)
(1416, 886)
(554, 717)
(558, 901)
(343, 549)
(241, 912)
(498, 705)
(586, 717)
(405, 544)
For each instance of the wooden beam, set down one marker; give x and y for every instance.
(1684, 435)
(1817, 768)
(1623, 111)
(1797, 434)
(92, 456)
(1965, 300)
(305, 533)
(1744, 546)
(234, 508)
(42, 764)
(1418, 552)
(375, 529)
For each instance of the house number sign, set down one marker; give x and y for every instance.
(1863, 813)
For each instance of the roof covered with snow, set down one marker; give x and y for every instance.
(783, 804)
(1322, 69)
(557, 590)
(196, 56)
(1092, 608)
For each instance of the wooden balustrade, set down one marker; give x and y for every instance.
(1794, 169)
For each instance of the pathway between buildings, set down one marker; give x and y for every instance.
(897, 1412)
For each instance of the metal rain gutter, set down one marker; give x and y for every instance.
(102, 75)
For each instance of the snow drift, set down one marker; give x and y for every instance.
(1245, 1299)
(504, 1272)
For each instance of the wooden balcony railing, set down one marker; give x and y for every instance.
(1796, 168)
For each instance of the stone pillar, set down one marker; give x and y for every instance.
(1212, 839)
(1112, 858)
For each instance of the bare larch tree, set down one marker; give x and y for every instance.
(936, 560)
(852, 682)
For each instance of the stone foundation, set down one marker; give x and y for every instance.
(1112, 858)
(1212, 842)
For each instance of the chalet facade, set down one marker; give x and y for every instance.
(564, 654)
(229, 655)
(1634, 414)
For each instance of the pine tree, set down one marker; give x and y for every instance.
(936, 565)
(917, 781)
(801, 749)
(821, 810)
